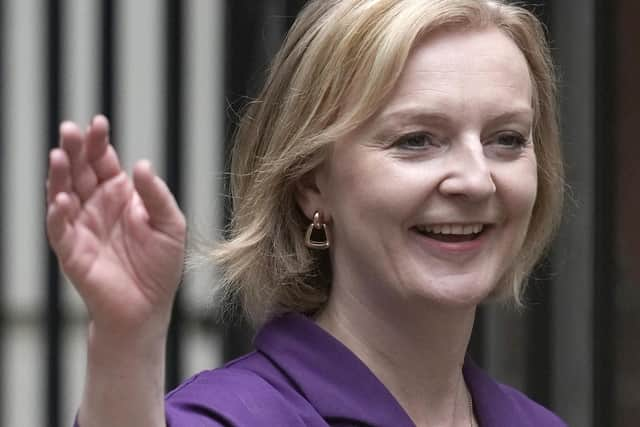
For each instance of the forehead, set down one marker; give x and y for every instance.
(464, 69)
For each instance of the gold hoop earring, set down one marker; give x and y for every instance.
(315, 228)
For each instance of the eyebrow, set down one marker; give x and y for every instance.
(413, 115)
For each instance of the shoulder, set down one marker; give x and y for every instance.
(236, 395)
(530, 410)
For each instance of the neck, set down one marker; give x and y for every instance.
(416, 351)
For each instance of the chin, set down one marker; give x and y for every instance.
(459, 302)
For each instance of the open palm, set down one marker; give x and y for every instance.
(119, 240)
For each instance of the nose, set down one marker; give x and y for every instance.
(468, 173)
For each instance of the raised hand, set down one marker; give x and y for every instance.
(119, 240)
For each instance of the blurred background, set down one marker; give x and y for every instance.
(172, 76)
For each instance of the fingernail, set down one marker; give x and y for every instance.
(65, 124)
(147, 164)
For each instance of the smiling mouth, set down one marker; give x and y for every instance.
(452, 233)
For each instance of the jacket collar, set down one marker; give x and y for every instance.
(341, 387)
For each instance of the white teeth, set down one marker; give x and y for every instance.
(452, 228)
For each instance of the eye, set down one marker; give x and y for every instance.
(416, 141)
(510, 140)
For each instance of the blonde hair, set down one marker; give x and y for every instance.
(336, 48)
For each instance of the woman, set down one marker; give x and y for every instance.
(417, 142)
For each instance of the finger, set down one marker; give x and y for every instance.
(161, 206)
(58, 179)
(100, 153)
(111, 198)
(83, 178)
(59, 228)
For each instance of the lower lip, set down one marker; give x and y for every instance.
(466, 247)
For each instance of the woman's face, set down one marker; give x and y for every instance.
(431, 199)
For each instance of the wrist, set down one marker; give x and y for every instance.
(126, 353)
(133, 324)
(125, 379)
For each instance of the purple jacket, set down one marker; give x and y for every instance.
(300, 375)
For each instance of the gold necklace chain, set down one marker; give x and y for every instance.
(470, 401)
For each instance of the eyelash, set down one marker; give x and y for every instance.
(426, 138)
(517, 141)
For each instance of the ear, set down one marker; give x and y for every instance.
(310, 196)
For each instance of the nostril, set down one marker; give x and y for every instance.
(472, 186)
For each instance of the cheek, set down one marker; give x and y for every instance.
(519, 194)
(358, 176)
(360, 196)
(372, 202)
(383, 189)
(518, 182)
(528, 191)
